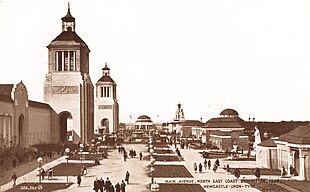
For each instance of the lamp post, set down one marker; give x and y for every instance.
(67, 151)
(154, 185)
(40, 160)
(152, 169)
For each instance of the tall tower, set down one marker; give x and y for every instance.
(68, 87)
(106, 105)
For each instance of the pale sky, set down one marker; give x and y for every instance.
(249, 55)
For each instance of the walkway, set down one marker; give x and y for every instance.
(114, 167)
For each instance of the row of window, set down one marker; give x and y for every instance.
(65, 61)
(105, 91)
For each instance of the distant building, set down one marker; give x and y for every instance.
(192, 128)
(106, 104)
(144, 122)
(24, 122)
(179, 114)
(226, 131)
(175, 125)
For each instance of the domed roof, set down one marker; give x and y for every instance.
(144, 117)
(229, 112)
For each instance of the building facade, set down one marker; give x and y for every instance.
(24, 122)
(106, 105)
(68, 88)
(293, 149)
(266, 154)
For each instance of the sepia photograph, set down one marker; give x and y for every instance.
(155, 95)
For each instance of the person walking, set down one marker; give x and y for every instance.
(200, 168)
(79, 180)
(283, 172)
(117, 187)
(96, 185)
(227, 168)
(209, 164)
(140, 154)
(217, 162)
(123, 186)
(50, 173)
(205, 164)
(127, 177)
(84, 170)
(214, 167)
(108, 185)
(257, 173)
(14, 178)
(101, 185)
(112, 188)
(195, 167)
(42, 173)
(125, 155)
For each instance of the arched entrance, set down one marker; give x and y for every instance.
(105, 124)
(65, 122)
(21, 121)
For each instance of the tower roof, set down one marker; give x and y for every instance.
(69, 36)
(106, 79)
(68, 17)
(68, 31)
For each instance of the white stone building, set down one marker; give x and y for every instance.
(68, 88)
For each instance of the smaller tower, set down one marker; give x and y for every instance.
(106, 104)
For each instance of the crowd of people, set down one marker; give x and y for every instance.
(100, 185)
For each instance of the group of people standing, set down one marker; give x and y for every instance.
(132, 153)
(206, 164)
(107, 186)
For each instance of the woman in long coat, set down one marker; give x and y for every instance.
(200, 167)
(195, 167)
(79, 180)
(127, 177)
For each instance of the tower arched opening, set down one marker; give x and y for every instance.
(104, 126)
(65, 124)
